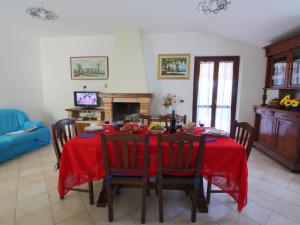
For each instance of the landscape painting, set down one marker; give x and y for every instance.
(89, 68)
(173, 66)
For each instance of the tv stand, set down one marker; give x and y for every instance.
(85, 116)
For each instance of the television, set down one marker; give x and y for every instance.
(86, 99)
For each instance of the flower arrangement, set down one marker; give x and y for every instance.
(289, 103)
(169, 100)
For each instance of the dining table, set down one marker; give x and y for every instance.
(224, 163)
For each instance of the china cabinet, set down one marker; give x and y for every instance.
(278, 130)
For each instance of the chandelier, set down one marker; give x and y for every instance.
(42, 13)
(215, 6)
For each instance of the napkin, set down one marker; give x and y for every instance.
(87, 135)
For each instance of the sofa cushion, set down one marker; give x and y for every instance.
(4, 143)
(11, 140)
(11, 120)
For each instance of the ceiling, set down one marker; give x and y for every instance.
(255, 22)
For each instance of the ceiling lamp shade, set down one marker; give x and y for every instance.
(42, 13)
(212, 6)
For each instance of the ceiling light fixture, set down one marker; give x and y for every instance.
(213, 6)
(42, 13)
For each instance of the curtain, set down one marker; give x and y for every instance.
(205, 89)
(223, 111)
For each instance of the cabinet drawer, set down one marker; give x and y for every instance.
(287, 116)
(265, 112)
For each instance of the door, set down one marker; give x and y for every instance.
(215, 91)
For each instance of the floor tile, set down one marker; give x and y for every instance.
(67, 208)
(31, 190)
(7, 209)
(263, 197)
(32, 204)
(81, 219)
(276, 219)
(39, 217)
(256, 212)
(288, 210)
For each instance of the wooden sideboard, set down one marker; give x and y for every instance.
(278, 135)
(84, 117)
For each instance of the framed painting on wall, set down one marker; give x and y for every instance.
(173, 66)
(89, 68)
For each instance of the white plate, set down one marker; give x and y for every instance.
(93, 128)
(215, 131)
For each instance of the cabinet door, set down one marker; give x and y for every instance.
(279, 71)
(295, 69)
(287, 139)
(265, 131)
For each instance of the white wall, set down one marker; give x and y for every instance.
(58, 86)
(251, 76)
(55, 60)
(20, 77)
(127, 63)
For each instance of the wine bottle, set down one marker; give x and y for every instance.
(173, 123)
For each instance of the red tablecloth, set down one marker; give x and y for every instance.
(82, 161)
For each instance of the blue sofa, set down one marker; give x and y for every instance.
(12, 146)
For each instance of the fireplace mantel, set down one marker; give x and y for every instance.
(109, 98)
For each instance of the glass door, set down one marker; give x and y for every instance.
(279, 69)
(215, 91)
(295, 71)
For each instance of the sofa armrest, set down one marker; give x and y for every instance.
(29, 124)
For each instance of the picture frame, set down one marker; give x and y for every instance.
(173, 66)
(89, 68)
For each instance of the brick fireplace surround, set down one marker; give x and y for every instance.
(144, 99)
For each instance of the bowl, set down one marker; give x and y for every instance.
(158, 131)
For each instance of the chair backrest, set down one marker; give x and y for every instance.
(62, 131)
(167, 118)
(139, 117)
(243, 133)
(127, 149)
(181, 153)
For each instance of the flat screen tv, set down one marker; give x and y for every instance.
(86, 99)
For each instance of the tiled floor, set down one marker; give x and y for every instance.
(28, 195)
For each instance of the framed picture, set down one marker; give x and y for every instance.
(173, 66)
(89, 68)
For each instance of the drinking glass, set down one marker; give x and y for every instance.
(201, 123)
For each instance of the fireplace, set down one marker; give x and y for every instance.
(118, 105)
(122, 109)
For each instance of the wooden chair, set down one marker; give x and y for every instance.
(137, 117)
(243, 133)
(126, 147)
(184, 165)
(62, 131)
(167, 118)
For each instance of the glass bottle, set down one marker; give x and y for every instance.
(173, 123)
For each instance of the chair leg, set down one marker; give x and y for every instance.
(117, 189)
(148, 187)
(110, 202)
(145, 190)
(194, 204)
(160, 195)
(187, 190)
(208, 192)
(91, 193)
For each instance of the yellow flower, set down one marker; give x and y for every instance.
(285, 98)
(288, 102)
(295, 103)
